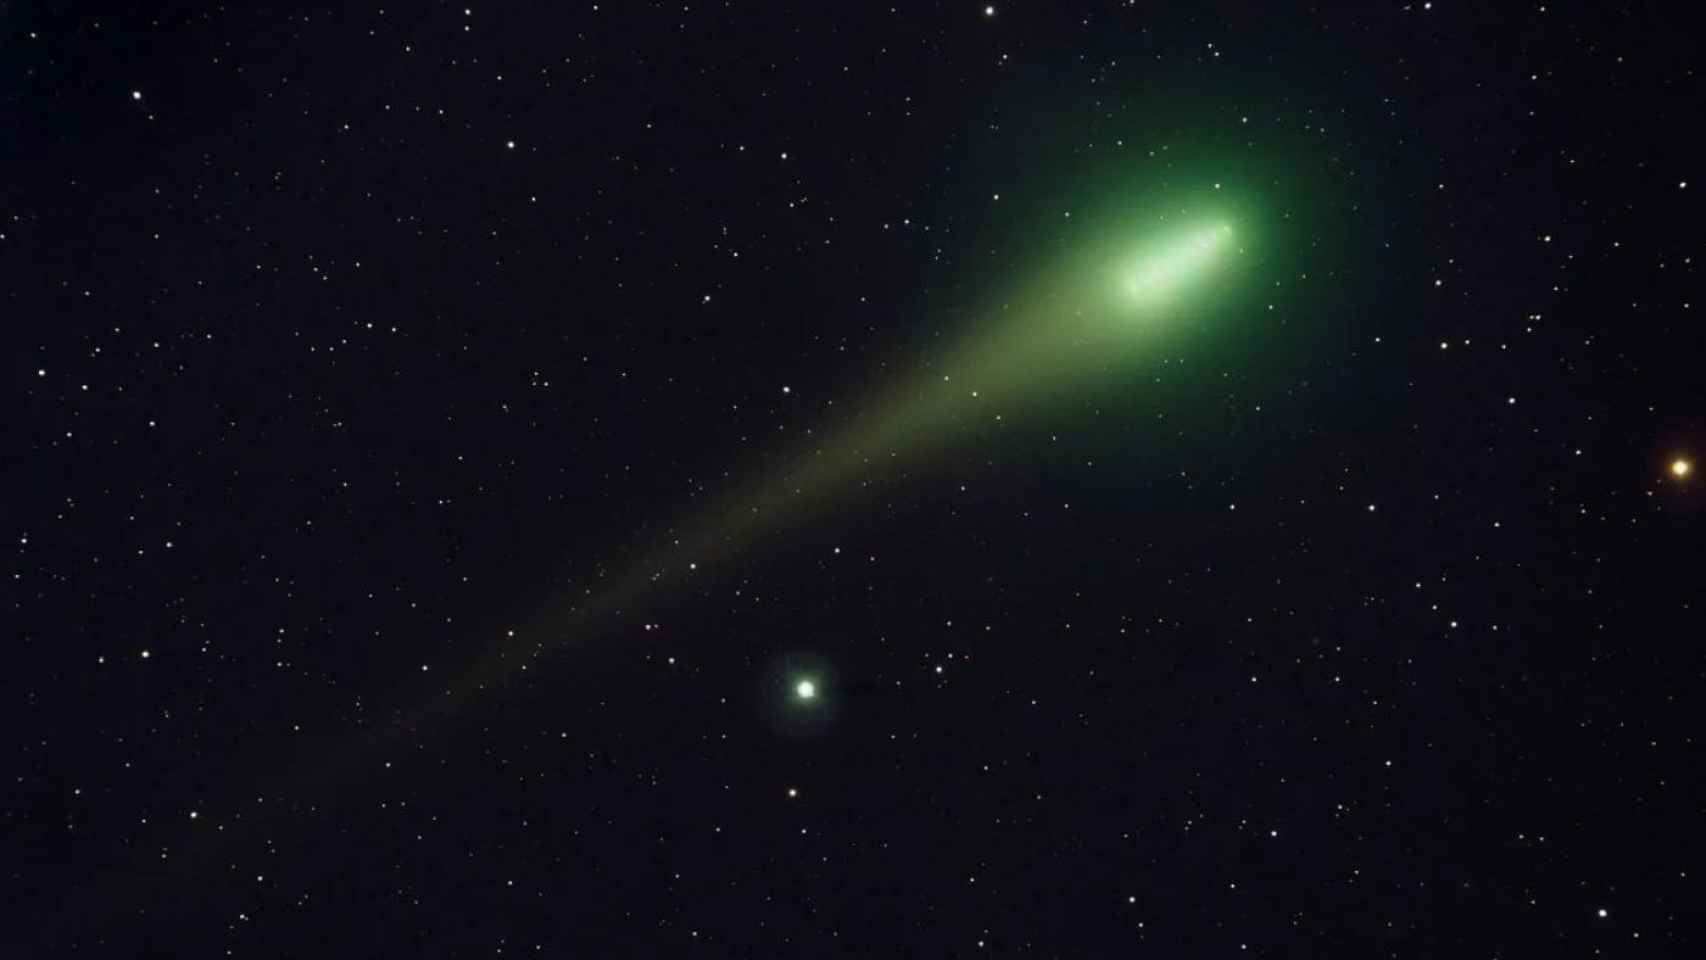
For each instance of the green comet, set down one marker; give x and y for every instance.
(1067, 323)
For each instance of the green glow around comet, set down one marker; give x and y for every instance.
(1102, 304)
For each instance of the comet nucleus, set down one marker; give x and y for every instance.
(1174, 263)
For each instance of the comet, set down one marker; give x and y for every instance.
(1105, 296)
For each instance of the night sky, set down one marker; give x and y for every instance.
(634, 479)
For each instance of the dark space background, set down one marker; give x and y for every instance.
(342, 337)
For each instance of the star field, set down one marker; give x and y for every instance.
(948, 479)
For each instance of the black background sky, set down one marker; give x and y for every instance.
(343, 340)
